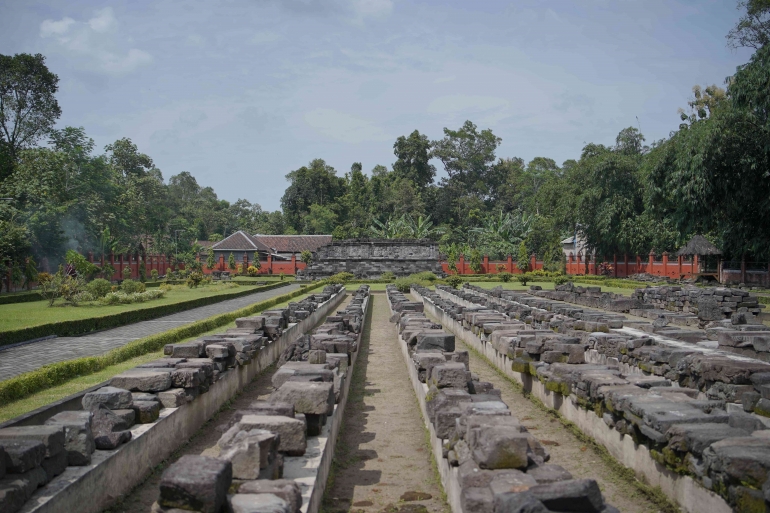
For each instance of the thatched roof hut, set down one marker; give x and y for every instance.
(698, 245)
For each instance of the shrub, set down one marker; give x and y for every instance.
(454, 281)
(239, 268)
(70, 288)
(99, 287)
(154, 275)
(306, 256)
(282, 276)
(126, 273)
(560, 280)
(131, 287)
(231, 262)
(475, 260)
(80, 263)
(49, 286)
(522, 259)
(123, 298)
(252, 271)
(523, 278)
(505, 277)
(404, 284)
(195, 279)
(425, 275)
(340, 278)
(84, 296)
(388, 275)
(169, 273)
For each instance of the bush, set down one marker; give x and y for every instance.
(169, 274)
(282, 276)
(505, 277)
(99, 287)
(132, 287)
(454, 281)
(195, 279)
(49, 286)
(388, 275)
(83, 297)
(523, 278)
(154, 275)
(404, 284)
(340, 278)
(252, 271)
(424, 276)
(70, 289)
(560, 280)
(122, 298)
(126, 273)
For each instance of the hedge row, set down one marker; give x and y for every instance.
(55, 374)
(20, 297)
(76, 327)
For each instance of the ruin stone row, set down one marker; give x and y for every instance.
(244, 472)
(700, 412)
(498, 465)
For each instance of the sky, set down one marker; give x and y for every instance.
(240, 93)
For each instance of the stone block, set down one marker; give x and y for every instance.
(109, 429)
(193, 349)
(217, 351)
(549, 473)
(143, 380)
(290, 431)
(172, 398)
(147, 412)
(187, 378)
(52, 437)
(243, 453)
(272, 408)
(505, 481)
(498, 447)
(518, 502)
(437, 341)
(316, 356)
(286, 489)
(111, 397)
(55, 465)
(449, 375)
(258, 503)
(128, 416)
(78, 437)
(22, 455)
(307, 398)
(197, 483)
(575, 495)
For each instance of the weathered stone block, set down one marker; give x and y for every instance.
(52, 437)
(147, 412)
(197, 483)
(449, 375)
(173, 397)
(290, 431)
(286, 489)
(143, 380)
(307, 398)
(22, 455)
(497, 447)
(109, 429)
(518, 502)
(55, 465)
(78, 437)
(111, 397)
(575, 495)
(258, 503)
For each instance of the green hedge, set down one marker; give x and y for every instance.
(20, 297)
(76, 327)
(765, 300)
(55, 374)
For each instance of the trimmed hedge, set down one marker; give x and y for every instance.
(20, 297)
(55, 374)
(76, 327)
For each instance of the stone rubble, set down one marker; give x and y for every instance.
(501, 466)
(699, 411)
(249, 456)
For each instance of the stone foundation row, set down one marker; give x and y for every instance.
(488, 461)
(706, 454)
(82, 460)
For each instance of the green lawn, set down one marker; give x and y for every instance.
(75, 385)
(546, 285)
(35, 313)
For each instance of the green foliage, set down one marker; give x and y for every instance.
(154, 274)
(82, 266)
(428, 276)
(404, 284)
(306, 257)
(500, 233)
(55, 374)
(99, 287)
(50, 286)
(505, 277)
(194, 279)
(126, 298)
(523, 278)
(522, 258)
(405, 227)
(560, 280)
(454, 281)
(231, 262)
(126, 273)
(340, 278)
(132, 287)
(252, 271)
(388, 275)
(475, 260)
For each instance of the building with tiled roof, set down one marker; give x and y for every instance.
(284, 246)
(240, 244)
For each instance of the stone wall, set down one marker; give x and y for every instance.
(370, 258)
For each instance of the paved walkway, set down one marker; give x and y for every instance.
(382, 456)
(28, 357)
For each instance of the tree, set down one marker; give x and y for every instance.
(306, 256)
(753, 29)
(500, 234)
(210, 260)
(124, 157)
(413, 159)
(28, 106)
(231, 262)
(522, 258)
(315, 184)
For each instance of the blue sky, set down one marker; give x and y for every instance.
(239, 93)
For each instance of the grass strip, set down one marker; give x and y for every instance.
(79, 326)
(48, 376)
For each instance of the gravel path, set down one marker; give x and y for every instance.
(28, 357)
(382, 452)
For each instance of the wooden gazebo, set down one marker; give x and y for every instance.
(699, 248)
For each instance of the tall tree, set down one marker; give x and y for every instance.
(413, 159)
(314, 184)
(28, 106)
(753, 29)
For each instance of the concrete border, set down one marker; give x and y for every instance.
(683, 490)
(112, 474)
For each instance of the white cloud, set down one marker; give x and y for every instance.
(103, 21)
(94, 42)
(343, 126)
(52, 28)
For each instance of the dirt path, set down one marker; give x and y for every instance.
(141, 498)
(382, 452)
(565, 448)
